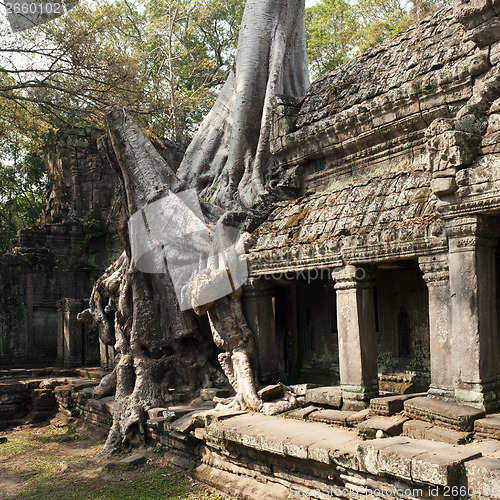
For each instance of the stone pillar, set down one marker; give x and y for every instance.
(474, 312)
(436, 275)
(70, 332)
(258, 307)
(357, 337)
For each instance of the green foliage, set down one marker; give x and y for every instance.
(22, 189)
(338, 29)
(94, 229)
(330, 30)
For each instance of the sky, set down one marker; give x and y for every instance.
(310, 2)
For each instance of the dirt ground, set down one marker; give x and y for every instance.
(57, 461)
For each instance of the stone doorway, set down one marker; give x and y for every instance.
(306, 330)
(402, 324)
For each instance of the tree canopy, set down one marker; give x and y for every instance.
(165, 60)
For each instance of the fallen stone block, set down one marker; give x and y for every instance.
(301, 389)
(445, 413)
(416, 429)
(331, 396)
(156, 412)
(272, 392)
(392, 426)
(135, 460)
(300, 413)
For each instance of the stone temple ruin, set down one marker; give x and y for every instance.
(381, 275)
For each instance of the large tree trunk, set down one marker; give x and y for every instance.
(140, 300)
(228, 161)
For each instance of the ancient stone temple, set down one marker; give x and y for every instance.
(384, 272)
(51, 267)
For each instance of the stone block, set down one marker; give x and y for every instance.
(156, 412)
(442, 467)
(330, 396)
(488, 427)
(358, 417)
(390, 405)
(301, 389)
(271, 392)
(300, 413)
(396, 460)
(367, 453)
(332, 417)
(445, 413)
(483, 477)
(134, 460)
(392, 426)
(209, 393)
(416, 429)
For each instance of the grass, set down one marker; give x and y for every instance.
(30, 469)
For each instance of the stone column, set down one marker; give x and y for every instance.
(70, 332)
(474, 312)
(357, 337)
(436, 275)
(258, 307)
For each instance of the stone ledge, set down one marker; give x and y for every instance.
(451, 415)
(488, 427)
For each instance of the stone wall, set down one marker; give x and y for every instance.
(63, 255)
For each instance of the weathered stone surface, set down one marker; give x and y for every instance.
(271, 392)
(483, 478)
(488, 427)
(331, 396)
(156, 412)
(390, 405)
(442, 466)
(208, 394)
(135, 460)
(332, 417)
(357, 417)
(300, 413)
(445, 413)
(392, 426)
(417, 429)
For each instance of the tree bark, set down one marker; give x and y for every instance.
(229, 161)
(161, 351)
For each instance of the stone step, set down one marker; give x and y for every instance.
(417, 429)
(488, 427)
(415, 460)
(390, 405)
(390, 426)
(444, 413)
(332, 417)
(329, 395)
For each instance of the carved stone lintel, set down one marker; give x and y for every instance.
(471, 231)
